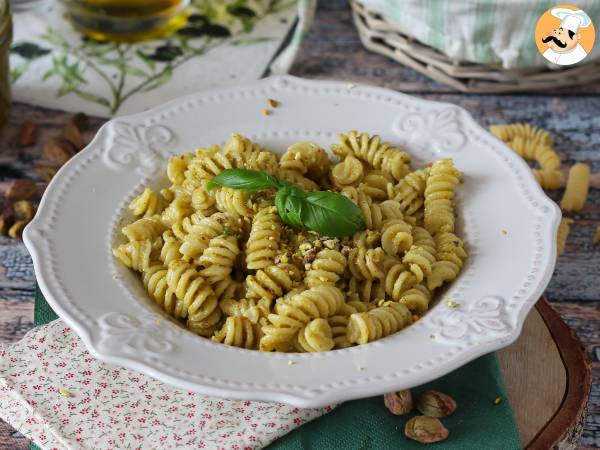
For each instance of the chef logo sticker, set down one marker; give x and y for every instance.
(565, 35)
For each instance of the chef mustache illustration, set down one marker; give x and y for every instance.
(557, 41)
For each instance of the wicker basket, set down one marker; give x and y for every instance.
(379, 35)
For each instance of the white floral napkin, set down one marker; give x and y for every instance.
(56, 394)
(224, 42)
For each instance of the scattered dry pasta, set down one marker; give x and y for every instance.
(223, 262)
(576, 191)
(564, 229)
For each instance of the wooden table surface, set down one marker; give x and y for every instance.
(332, 50)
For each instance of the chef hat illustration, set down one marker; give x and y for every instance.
(571, 20)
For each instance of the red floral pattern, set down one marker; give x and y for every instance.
(113, 407)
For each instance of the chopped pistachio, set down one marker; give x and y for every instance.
(266, 112)
(452, 304)
(272, 103)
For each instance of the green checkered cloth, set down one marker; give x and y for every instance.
(367, 425)
(480, 31)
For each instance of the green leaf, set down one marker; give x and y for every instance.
(331, 214)
(288, 201)
(151, 64)
(250, 41)
(247, 180)
(160, 79)
(29, 50)
(93, 98)
(134, 71)
(240, 11)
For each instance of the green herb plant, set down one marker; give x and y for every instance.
(324, 212)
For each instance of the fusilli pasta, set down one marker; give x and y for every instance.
(576, 191)
(564, 228)
(223, 262)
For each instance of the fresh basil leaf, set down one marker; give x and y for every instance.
(331, 214)
(288, 201)
(246, 180)
(293, 211)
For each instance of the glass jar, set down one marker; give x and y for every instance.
(5, 41)
(126, 20)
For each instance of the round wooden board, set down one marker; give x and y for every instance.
(548, 378)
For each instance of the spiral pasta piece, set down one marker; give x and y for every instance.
(306, 158)
(546, 157)
(367, 239)
(371, 150)
(509, 132)
(196, 298)
(155, 282)
(252, 309)
(233, 201)
(398, 280)
(449, 260)
(339, 322)
(176, 167)
(272, 282)
(146, 204)
(548, 179)
(170, 249)
(576, 191)
(316, 336)
(291, 315)
(366, 264)
(179, 208)
(135, 254)
(218, 259)
(371, 212)
(263, 241)
(375, 185)
(348, 172)
(439, 195)
(564, 228)
(199, 231)
(228, 288)
(244, 153)
(377, 323)
(238, 332)
(327, 268)
(144, 228)
(410, 190)
(416, 299)
(204, 326)
(366, 290)
(202, 200)
(421, 256)
(396, 236)
(206, 164)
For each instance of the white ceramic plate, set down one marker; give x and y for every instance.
(508, 223)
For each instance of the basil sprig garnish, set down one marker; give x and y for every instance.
(324, 212)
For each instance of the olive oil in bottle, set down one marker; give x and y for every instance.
(126, 20)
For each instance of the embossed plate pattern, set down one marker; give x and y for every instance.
(80, 215)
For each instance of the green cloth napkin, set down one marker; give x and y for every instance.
(367, 425)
